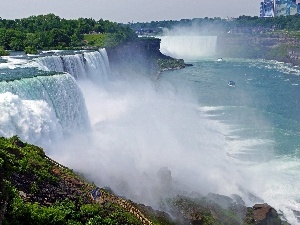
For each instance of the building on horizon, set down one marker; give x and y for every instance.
(271, 8)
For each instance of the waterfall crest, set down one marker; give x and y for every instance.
(88, 65)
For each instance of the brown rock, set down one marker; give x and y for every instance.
(264, 214)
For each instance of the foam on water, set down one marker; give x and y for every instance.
(12, 62)
(271, 178)
(58, 95)
(31, 120)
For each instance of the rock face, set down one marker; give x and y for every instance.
(264, 214)
(275, 47)
(141, 56)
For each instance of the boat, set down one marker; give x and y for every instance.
(219, 59)
(231, 83)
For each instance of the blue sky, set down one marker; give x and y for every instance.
(130, 10)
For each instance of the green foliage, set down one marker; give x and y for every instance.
(50, 31)
(95, 39)
(65, 212)
(278, 53)
(170, 63)
(22, 158)
(107, 39)
(3, 52)
(31, 50)
(20, 212)
(218, 26)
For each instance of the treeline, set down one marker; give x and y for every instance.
(279, 23)
(174, 23)
(52, 32)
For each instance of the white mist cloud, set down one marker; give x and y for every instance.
(143, 131)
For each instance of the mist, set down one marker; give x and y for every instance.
(150, 141)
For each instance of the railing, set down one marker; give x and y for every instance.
(125, 204)
(104, 196)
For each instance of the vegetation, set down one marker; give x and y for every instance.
(52, 32)
(3, 52)
(37, 190)
(218, 25)
(104, 40)
(31, 50)
(170, 63)
(25, 171)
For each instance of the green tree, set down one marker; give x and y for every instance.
(3, 52)
(4, 39)
(16, 40)
(59, 38)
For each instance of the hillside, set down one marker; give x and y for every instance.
(37, 190)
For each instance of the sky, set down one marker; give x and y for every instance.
(129, 10)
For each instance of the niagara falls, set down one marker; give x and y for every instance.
(191, 121)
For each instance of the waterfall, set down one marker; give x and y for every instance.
(72, 64)
(41, 109)
(188, 47)
(96, 65)
(41, 101)
(88, 65)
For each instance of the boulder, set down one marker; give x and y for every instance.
(264, 214)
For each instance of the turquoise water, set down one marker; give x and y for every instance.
(265, 92)
(262, 113)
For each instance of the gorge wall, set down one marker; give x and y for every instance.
(281, 47)
(141, 56)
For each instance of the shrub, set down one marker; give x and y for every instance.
(3, 52)
(31, 50)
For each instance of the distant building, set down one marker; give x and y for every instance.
(271, 8)
(267, 8)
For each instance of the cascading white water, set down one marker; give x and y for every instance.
(92, 65)
(42, 108)
(105, 58)
(96, 65)
(188, 47)
(72, 64)
(32, 120)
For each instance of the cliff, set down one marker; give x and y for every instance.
(141, 56)
(281, 47)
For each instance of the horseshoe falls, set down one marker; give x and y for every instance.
(188, 47)
(120, 131)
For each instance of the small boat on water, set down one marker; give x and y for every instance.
(231, 83)
(220, 59)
